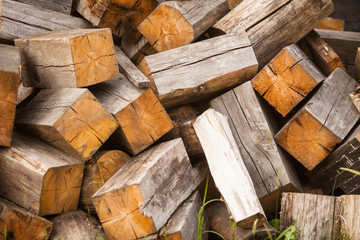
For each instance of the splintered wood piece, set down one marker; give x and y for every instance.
(140, 198)
(82, 57)
(349, 215)
(332, 24)
(9, 83)
(19, 20)
(137, 51)
(253, 133)
(38, 177)
(63, 6)
(70, 119)
(122, 17)
(287, 79)
(77, 225)
(321, 53)
(225, 163)
(176, 23)
(357, 65)
(201, 69)
(322, 123)
(130, 71)
(97, 172)
(17, 223)
(355, 98)
(313, 215)
(142, 118)
(272, 26)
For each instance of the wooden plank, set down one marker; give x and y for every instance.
(58, 6)
(130, 71)
(38, 177)
(21, 20)
(9, 82)
(140, 198)
(287, 79)
(77, 225)
(322, 123)
(349, 215)
(253, 132)
(201, 69)
(82, 57)
(332, 24)
(25, 92)
(357, 65)
(225, 163)
(233, 3)
(137, 51)
(20, 224)
(71, 119)
(141, 116)
(273, 26)
(176, 23)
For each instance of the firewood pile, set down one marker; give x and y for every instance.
(121, 119)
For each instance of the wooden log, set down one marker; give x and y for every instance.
(225, 162)
(122, 17)
(9, 82)
(58, 6)
(24, 92)
(253, 132)
(273, 26)
(17, 223)
(287, 79)
(322, 123)
(21, 20)
(355, 98)
(321, 53)
(140, 198)
(349, 215)
(199, 70)
(82, 57)
(70, 119)
(97, 172)
(77, 225)
(357, 65)
(38, 177)
(176, 23)
(137, 51)
(330, 23)
(233, 3)
(130, 71)
(141, 116)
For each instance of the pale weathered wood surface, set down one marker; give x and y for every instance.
(140, 198)
(24, 92)
(141, 116)
(137, 51)
(233, 3)
(228, 169)
(77, 225)
(130, 71)
(271, 25)
(253, 134)
(176, 23)
(357, 65)
(38, 177)
(195, 71)
(63, 6)
(349, 215)
(355, 98)
(71, 119)
(22, 225)
(21, 20)
(323, 122)
(82, 57)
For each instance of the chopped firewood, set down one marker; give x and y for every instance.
(201, 69)
(322, 123)
(332, 24)
(272, 26)
(63, 6)
(70, 119)
(142, 118)
(82, 57)
(176, 23)
(38, 177)
(287, 79)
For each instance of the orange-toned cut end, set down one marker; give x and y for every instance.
(332, 24)
(94, 58)
(307, 140)
(166, 28)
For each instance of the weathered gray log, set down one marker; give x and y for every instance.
(253, 130)
(38, 177)
(201, 69)
(25, 92)
(137, 51)
(140, 198)
(21, 20)
(63, 6)
(322, 123)
(272, 26)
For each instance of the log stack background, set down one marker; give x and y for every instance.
(115, 116)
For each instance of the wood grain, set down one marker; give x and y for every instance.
(332, 24)
(58, 6)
